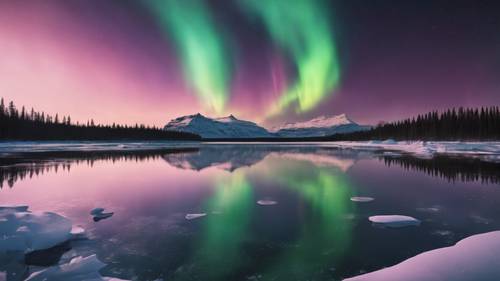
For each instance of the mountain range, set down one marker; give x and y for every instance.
(231, 127)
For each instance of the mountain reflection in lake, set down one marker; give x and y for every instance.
(312, 231)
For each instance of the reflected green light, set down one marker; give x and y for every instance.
(226, 227)
(302, 28)
(200, 45)
(326, 230)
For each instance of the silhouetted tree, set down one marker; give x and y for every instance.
(452, 124)
(42, 126)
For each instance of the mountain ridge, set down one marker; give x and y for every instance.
(231, 127)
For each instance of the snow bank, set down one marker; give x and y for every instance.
(489, 150)
(393, 221)
(473, 258)
(79, 268)
(25, 231)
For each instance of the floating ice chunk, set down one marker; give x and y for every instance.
(26, 231)
(473, 258)
(195, 216)
(98, 214)
(266, 202)
(102, 216)
(362, 199)
(394, 221)
(77, 232)
(96, 211)
(429, 210)
(78, 268)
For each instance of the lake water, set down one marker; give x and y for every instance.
(273, 212)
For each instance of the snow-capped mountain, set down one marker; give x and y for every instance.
(320, 126)
(225, 127)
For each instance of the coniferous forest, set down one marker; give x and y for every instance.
(21, 124)
(462, 124)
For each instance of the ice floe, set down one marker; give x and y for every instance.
(267, 202)
(98, 214)
(473, 258)
(96, 211)
(394, 221)
(195, 216)
(25, 231)
(79, 268)
(362, 199)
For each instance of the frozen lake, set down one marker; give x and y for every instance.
(258, 211)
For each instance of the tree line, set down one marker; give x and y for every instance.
(462, 124)
(22, 124)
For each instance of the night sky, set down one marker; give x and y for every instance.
(269, 61)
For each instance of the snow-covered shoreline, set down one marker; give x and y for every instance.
(489, 151)
(473, 258)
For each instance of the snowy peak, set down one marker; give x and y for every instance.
(224, 127)
(319, 122)
(319, 126)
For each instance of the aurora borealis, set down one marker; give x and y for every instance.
(201, 47)
(149, 61)
(301, 27)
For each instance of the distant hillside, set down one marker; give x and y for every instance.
(231, 128)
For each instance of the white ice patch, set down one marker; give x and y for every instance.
(25, 231)
(266, 202)
(195, 216)
(488, 151)
(362, 199)
(78, 268)
(473, 258)
(394, 221)
(77, 232)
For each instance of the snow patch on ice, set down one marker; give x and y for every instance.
(195, 216)
(394, 221)
(77, 232)
(362, 199)
(267, 202)
(473, 258)
(79, 268)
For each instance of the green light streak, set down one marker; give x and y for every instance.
(302, 29)
(200, 45)
(325, 232)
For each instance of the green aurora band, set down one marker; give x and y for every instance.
(200, 45)
(302, 29)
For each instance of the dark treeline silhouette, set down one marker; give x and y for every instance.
(21, 124)
(454, 124)
(451, 168)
